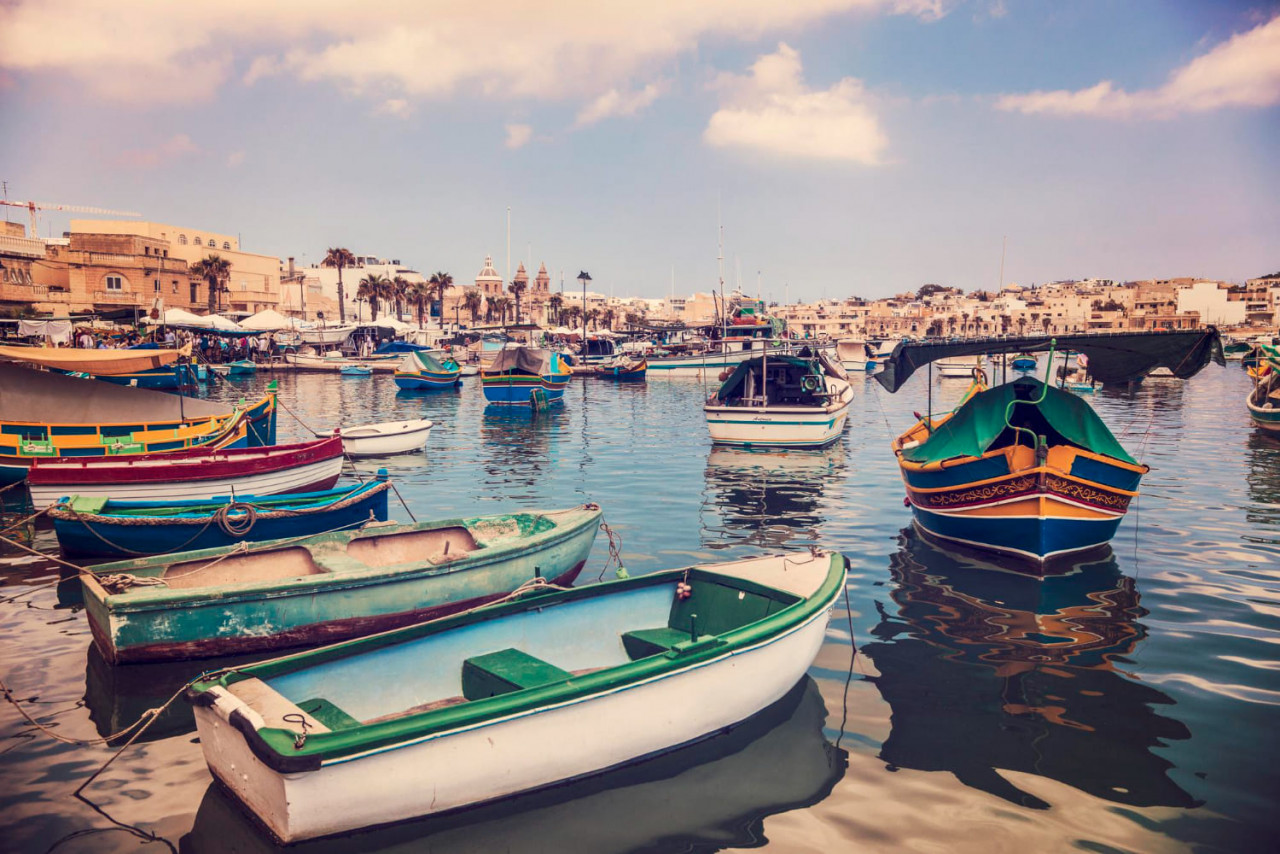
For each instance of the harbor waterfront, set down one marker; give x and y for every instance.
(1124, 706)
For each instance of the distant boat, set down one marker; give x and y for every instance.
(1235, 351)
(522, 695)
(517, 372)
(1263, 401)
(356, 371)
(388, 437)
(326, 334)
(623, 368)
(126, 529)
(420, 371)
(958, 368)
(328, 587)
(191, 475)
(1024, 363)
(781, 402)
(855, 354)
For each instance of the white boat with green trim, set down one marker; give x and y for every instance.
(553, 686)
(781, 402)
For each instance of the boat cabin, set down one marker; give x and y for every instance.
(776, 380)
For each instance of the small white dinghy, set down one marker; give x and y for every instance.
(388, 437)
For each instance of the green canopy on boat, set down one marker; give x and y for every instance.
(981, 420)
(739, 375)
(427, 362)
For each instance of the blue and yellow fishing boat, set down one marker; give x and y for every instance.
(1023, 468)
(1264, 398)
(623, 369)
(420, 371)
(1026, 469)
(516, 373)
(45, 415)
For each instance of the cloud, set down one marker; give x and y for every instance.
(518, 135)
(616, 103)
(772, 110)
(156, 51)
(175, 147)
(1243, 71)
(398, 107)
(235, 158)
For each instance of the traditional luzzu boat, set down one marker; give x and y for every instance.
(104, 527)
(1024, 468)
(1235, 351)
(516, 373)
(1264, 398)
(781, 402)
(623, 369)
(1024, 363)
(547, 687)
(356, 370)
(855, 354)
(190, 475)
(49, 417)
(330, 587)
(421, 371)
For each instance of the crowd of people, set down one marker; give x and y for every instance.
(214, 349)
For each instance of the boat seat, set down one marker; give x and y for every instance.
(327, 713)
(505, 671)
(643, 643)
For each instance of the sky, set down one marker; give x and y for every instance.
(834, 147)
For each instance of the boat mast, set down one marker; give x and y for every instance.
(724, 319)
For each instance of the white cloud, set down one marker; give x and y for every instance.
(772, 110)
(618, 103)
(1243, 71)
(398, 107)
(175, 147)
(235, 158)
(152, 51)
(518, 135)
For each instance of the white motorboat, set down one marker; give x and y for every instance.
(855, 355)
(961, 367)
(326, 334)
(781, 402)
(388, 437)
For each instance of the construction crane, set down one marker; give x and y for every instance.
(32, 207)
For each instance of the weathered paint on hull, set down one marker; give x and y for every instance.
(316, 634)
(505, 392)
(1036, 538)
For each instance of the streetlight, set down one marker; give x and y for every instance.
(584, 277)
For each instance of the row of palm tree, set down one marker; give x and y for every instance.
(216, 272)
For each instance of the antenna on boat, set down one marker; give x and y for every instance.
(724, 320)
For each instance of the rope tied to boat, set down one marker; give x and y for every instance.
(615, 553)
(299, 739)
(240, 525)
(120, 582)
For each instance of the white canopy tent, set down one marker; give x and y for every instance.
(220, 323)
(177, 317)
(267, 320)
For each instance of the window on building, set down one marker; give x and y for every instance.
(166, 253)
(182, 240)
(175, 286)
(193, 293)
(115, 283)
(226, 245)
(146, 250)
(157, 285)
(198, 243)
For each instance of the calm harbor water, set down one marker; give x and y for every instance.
(1129, 706)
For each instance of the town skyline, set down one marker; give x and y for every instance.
(846, 147)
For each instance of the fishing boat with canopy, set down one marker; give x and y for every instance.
(1025, 468)
(1264, 398)
(420, 370)
(145, 366)
(47, 416)
(520, 375)
(799, 401)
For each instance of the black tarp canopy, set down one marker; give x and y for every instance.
(1114, 357)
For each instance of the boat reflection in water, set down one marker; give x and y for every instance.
(767, 498)
(716, 794)
(1262, 476)
(988, 670)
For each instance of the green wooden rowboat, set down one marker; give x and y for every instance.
(329, 587)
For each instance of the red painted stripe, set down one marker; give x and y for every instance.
(182, 466)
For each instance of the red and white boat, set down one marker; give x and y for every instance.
(191, 475)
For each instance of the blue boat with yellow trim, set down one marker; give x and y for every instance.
(516, 373)
(1264, 398)
(421, 371)
(1027, 469)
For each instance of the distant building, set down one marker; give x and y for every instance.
(488, 280)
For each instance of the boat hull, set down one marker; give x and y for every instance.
(168, 377)
(322, 608)
(103, 536)
(191, 476)
(517, 390)
(775, 427)
(385, 445)
(522, 752)
(427, 381)
(1267, 419)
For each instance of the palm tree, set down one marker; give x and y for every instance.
(556, 303)
(340, 258)
(500, 304)
(216, 271)
(593, 318)
(370, 288)
(440, 284)
(1022, 326)
(472, 301)
(608, 316)
(420, 298)
(517, 287)
(399, 293)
